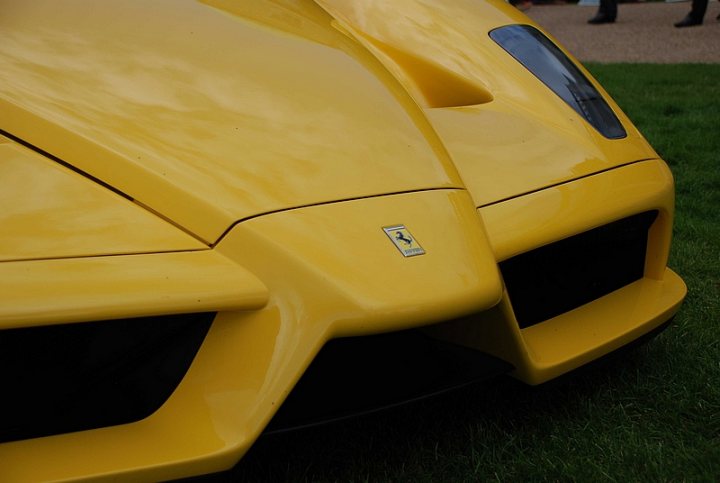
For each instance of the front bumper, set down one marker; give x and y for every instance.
(569, 340)
(331, 272)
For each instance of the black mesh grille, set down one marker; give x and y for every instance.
(73, 377)
(559, 277)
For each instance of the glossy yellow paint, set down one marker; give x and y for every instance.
(345, 247)
(43, 292)
(331, 271)
(167, 104)
(182, 132)
(264, 146)
(554, 347)
(431, 84)
(526, 222)
(50, 211)
(570, 340)
(525, 139)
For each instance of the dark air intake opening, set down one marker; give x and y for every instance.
(358, 375)
(74, 377)
(559, 277)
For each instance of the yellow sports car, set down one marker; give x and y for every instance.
(215, 208)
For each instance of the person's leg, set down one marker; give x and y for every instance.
(606, 13)
(698, 9)
(696, 15)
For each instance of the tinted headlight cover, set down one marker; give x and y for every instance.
(549, 64)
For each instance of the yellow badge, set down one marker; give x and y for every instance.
(403, 240)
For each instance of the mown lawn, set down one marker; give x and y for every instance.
(650, 414)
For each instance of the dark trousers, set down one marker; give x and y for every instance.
(698, 9)
(609, 7)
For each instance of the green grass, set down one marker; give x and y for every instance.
(650, 414)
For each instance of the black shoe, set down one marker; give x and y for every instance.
(688, 21)
(601, 17)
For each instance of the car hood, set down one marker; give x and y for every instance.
(507, 132)
(212, 113)
(209, 113)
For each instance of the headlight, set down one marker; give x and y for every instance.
(548, 63)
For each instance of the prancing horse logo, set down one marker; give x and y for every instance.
(403, 240)
(399, 236)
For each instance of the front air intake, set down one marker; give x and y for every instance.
(564, 275)
(352, 376)
(73, 377)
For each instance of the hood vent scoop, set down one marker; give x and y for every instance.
(431, 84)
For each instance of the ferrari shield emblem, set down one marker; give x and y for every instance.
(403, 240)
